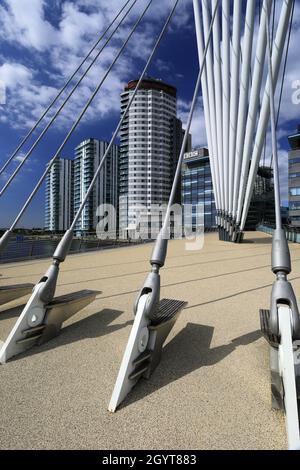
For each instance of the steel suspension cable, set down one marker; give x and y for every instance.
(5, 237)
(226, 95)
(273, 30)
(90, 188)
(273, 130)
(243, 99)
(3, 168)
(284, 70)
(234, 96)
(65, 101)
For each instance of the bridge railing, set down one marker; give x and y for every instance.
(37, 247)
(292, 233)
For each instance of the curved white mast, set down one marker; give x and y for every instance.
(200, 44)
(218, 98)
(244, 94)
(211, 98)
(226, 95)
(253, 106)
(234, 93)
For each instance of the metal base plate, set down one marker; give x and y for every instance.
(144, 347)
(287, 371)
(284, 380)
(39, 322)
(272, 339)
(62, 308)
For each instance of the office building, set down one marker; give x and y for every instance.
(262, 205)
(197, 188)
(88, 155)
(294, 179)
(150, 141)
(59, 196)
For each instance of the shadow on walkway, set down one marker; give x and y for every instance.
(259, 241)
(93, 326)
(188, 351)
(5, 314)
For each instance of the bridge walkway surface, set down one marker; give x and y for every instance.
(211, 389)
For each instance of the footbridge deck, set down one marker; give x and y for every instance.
(211, 389)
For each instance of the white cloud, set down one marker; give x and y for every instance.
(15, 75)
(27, 24)
(76, 26)
(162, 65)
(55, 39)
(198, 129)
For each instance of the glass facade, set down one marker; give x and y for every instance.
(88, 155)
(196, 186)
(59, 195)
(150, 142)
(262, 209)
(294, 179)
(295, 191)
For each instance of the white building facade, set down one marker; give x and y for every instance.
(88, 155)
(59, 196)
(149, 148)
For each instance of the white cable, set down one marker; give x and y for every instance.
(273, 129)
(74, 126)
(124, 115)
(24, 140)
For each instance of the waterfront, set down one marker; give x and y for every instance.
(22, 249)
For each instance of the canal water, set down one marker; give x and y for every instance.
(23, 249)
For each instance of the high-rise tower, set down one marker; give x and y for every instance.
(149, 147)
(59, 196)
(88, 155)
(294, 179)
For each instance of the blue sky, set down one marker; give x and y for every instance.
(43, 43)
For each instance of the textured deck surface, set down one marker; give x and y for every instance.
(211, 390)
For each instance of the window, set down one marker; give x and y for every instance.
(295, 191)
(294, 205)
